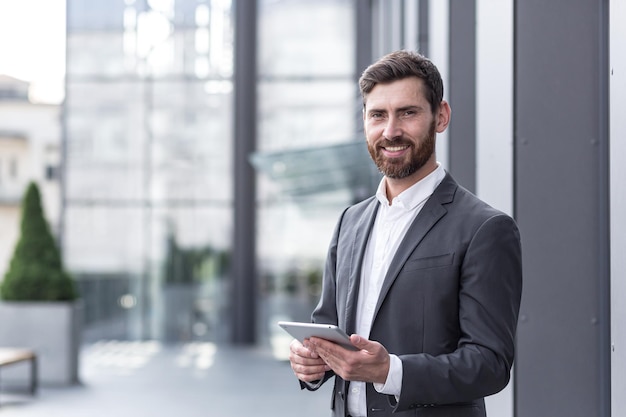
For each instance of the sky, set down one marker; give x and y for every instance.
(32, 45)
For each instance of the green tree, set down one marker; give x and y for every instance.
(36, 270)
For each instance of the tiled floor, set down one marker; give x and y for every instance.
(147, 379)
(125, 379)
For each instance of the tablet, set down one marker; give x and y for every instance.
(330, 332)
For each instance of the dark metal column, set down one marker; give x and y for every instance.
(363, 41)
(423, 28)
(362, 56)
(561, 192)
(243, 265)
(462, 92)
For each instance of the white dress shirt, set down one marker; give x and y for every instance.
(390, 226)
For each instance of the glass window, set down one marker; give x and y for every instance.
(296, 114)
(148, 166)
(191, 255)
(13, 168)
(191, 145)
(156, 39)
(303, 37)
(106, 140)
(307, 100)
(94, 15)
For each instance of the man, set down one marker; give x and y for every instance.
(424, 276)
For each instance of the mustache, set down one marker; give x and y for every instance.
(395, 142)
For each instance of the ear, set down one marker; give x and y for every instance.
(443, 116)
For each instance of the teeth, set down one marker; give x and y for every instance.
(395, 148)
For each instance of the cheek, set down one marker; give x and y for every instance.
(372, 132)
(368, 134)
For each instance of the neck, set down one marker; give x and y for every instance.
(395, 186)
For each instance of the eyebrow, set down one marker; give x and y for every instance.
(410, 107)
(399, 109)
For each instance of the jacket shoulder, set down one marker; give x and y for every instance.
(360, 207)
(456, 197)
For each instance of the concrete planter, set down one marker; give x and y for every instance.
(52, 330)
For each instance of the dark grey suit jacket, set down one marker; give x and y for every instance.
(448, 306)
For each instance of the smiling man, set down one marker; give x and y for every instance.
(400, 128)
(424, 276)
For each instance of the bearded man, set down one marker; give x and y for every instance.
(424, 276)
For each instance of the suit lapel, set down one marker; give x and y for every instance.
(362, 232)
(430, 214)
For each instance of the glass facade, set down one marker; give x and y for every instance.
(306, 101)
(148, 193)
(148, 200)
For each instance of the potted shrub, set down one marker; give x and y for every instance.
(40, 307)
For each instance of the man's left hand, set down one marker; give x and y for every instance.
(369, 364)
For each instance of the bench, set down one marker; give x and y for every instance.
(10, 356)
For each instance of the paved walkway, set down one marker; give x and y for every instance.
(125, 379)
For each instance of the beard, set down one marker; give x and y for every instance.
(405, 166)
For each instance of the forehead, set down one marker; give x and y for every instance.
(399, 93)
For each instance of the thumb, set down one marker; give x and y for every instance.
(360, 342)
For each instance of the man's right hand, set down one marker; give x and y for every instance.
(306, 364)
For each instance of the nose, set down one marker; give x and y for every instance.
(392, 129)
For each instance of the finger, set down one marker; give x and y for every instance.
(326, 348)
(302, 350)
(331, 353)
(310, 377)
(309, 373)
(303, 361)
(303, 369)
(311, 348)
(364, 344)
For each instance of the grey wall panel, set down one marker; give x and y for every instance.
(494, 103)
(561, 207)
(462, 92)
(494, 127)
(618, 207)
(438, 51)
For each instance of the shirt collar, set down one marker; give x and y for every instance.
(415, 194)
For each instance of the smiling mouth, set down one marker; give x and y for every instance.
(395, 148)
(395, 151)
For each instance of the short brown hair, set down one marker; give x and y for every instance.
(403, 64)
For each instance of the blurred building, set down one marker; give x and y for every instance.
(211, 144)
(150, 168)
(30, 141)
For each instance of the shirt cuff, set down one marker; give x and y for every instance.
(393, 384)
(312, 386)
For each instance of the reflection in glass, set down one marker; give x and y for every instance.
(148, 201)
(306, 100)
